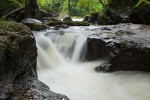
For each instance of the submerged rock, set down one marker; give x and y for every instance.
(124, 47)
(18, 58)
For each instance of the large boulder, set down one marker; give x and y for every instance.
(123, 47)
(116, 11)
(18, 58)
(125, 11)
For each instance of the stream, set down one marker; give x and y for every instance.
(62, 66)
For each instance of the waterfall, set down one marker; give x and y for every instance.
(62, 68)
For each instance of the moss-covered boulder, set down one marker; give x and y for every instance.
(116, 11)
(7, 6)
(12, 26)
(141, 13)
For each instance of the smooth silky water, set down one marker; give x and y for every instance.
(62, 67)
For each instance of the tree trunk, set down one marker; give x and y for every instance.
(68, 7)
(32, 8)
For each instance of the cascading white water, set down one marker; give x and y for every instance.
(61, 68)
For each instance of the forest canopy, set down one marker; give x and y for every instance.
(77, 8)
(72, 7)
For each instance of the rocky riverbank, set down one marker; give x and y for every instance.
(18, 60)
(124, 11)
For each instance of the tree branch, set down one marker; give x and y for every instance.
(101, 3)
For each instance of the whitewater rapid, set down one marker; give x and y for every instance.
(61, 65)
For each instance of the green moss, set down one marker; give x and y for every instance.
(3, 18)
(7, 6)
(12, 26)
(7, 46)
(2, 46)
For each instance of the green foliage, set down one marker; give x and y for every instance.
(72, 7)
(50, 5)
(141, 1)
(88, 6)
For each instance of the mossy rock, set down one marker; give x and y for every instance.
(109, 17)
(7, 6)
(2, 46)
(11, 26)
(141, 14)
(116, 11)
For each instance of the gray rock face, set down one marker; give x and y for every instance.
(125, 47)
(18, 76)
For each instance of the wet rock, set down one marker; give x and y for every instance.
(34, 24)
(61, 26)
(105, 67)
(18, 55)
(67, 18)
(124, 47)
